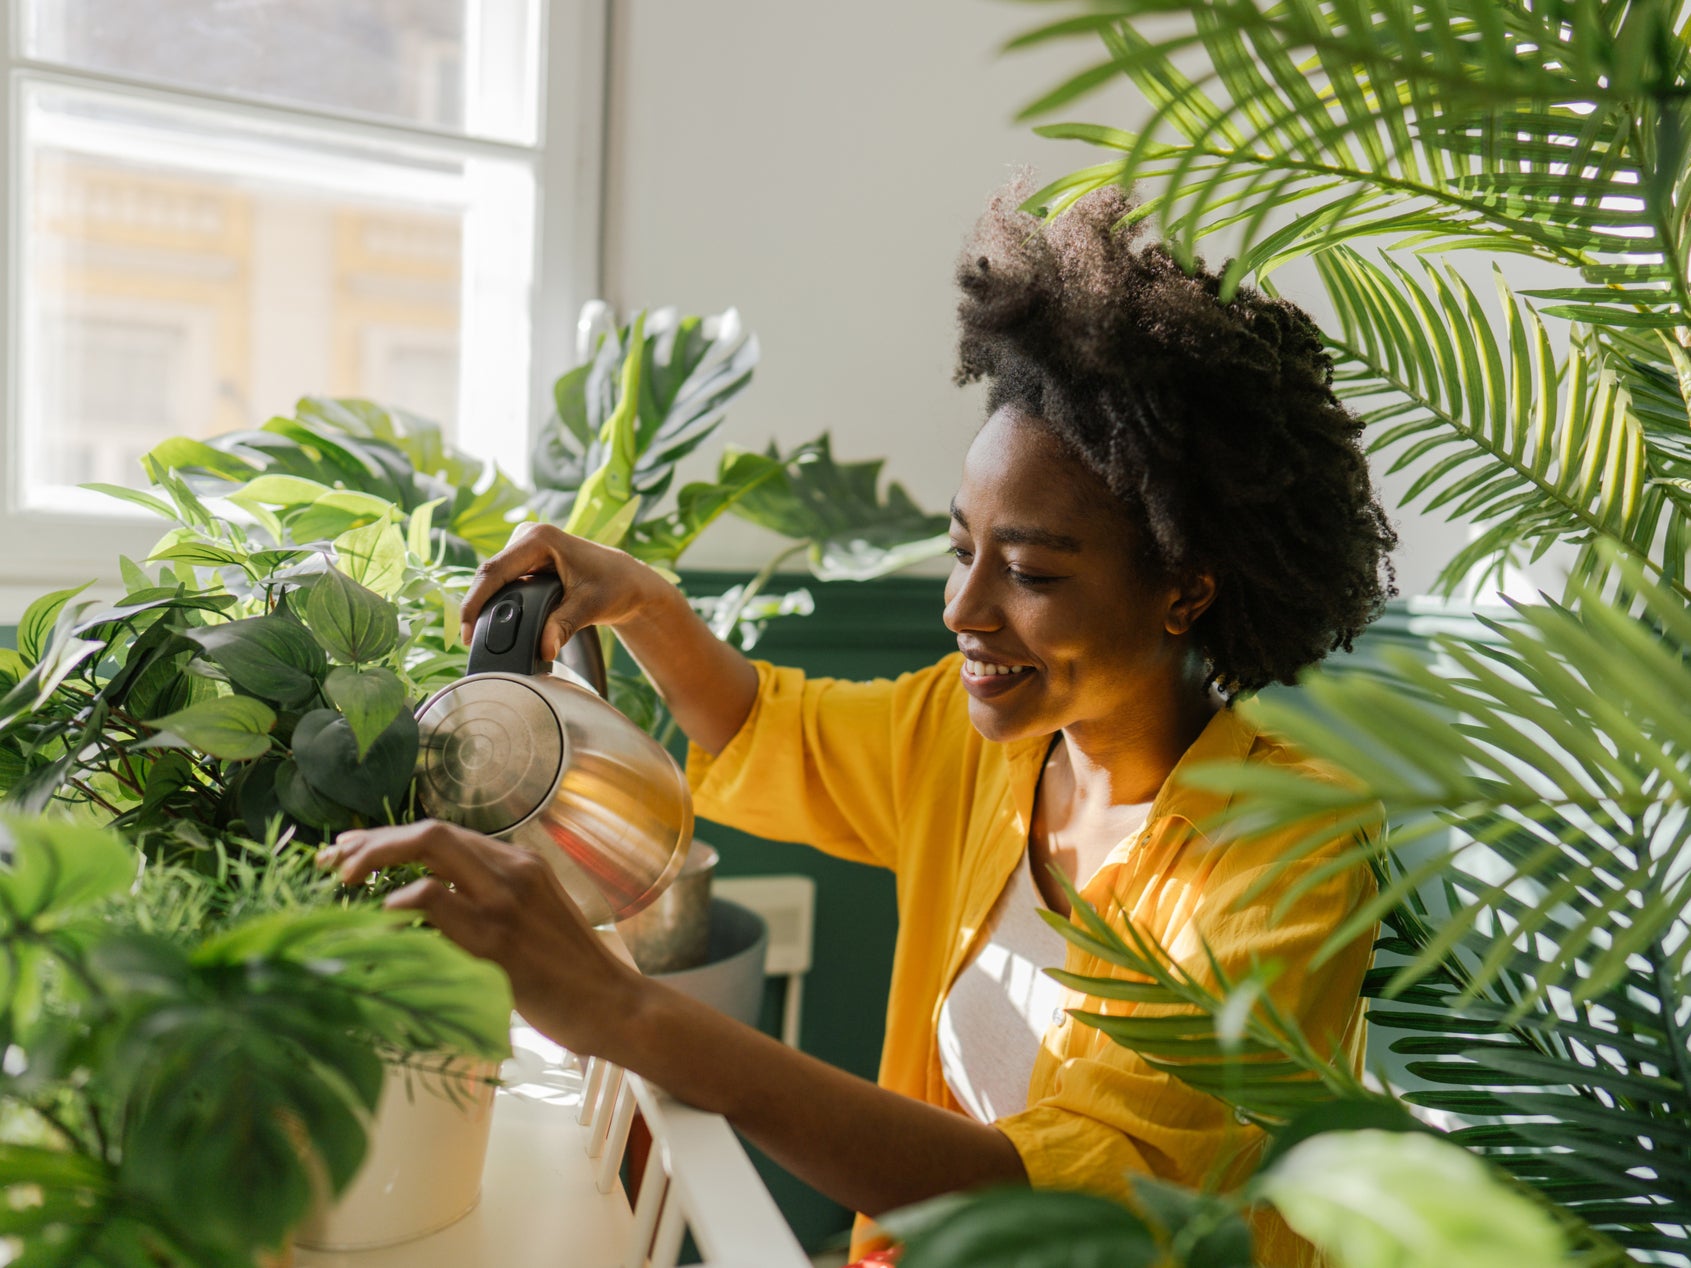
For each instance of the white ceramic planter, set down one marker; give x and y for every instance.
(428, 1145)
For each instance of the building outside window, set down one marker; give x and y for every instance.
(216, 208)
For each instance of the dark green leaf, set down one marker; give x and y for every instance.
(1026, 1228)
(354, 623)
(1339, 1116)
(305, 805)
(836, 508)
(375, 785)
(273, 657)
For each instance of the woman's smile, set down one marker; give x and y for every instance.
(985, 679)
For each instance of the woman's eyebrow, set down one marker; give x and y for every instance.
(1016, 535)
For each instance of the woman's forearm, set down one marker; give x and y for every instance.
(705, 683)
(867, 1148)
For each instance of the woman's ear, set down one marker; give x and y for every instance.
(1195, 595)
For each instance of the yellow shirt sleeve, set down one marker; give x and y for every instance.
(827, 762)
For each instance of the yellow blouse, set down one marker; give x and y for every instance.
(894, 774)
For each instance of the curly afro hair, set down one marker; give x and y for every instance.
(1212, 422)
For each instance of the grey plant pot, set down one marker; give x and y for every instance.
(731, 978)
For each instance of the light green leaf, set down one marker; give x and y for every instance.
(134, 497)
(374, 556)
(1381, 1199)
(282, 490)
(417, 532)
(51, 869)
(369, 699)
(235, 728)
(179, 453)
(35, 627)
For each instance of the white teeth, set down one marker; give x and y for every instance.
(981, 669)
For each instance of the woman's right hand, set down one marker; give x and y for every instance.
(602, 585)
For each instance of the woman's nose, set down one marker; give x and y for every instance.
(968, 603)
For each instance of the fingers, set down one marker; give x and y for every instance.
(559, 629)
(451, 913)
(459, 857)
(533, 548)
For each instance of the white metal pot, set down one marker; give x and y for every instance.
(428, 1146)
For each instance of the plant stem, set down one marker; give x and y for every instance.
(95, 797)
(722, 625)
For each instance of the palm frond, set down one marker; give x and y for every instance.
(1585, 1102)
(1556, 130)
(1499, 432)
(1219, 1033)
(1560, 754)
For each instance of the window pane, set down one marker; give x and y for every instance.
(188, 274)
(462, 65)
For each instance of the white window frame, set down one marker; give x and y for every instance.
(41, 551)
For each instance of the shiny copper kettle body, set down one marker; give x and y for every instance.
(541, 759)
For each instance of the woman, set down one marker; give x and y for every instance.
(1165, 508)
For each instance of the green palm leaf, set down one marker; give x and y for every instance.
(1578, 1101)
(1217, 1032)
(1559, 753)
(1556, 130)
(1497, 431)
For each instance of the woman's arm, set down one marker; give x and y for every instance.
(706, 684)
(865, 1147)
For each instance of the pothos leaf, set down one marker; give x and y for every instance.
(235, 728)
(369, 699)
(356, 624)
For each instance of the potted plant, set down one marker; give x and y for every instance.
(182, 1081)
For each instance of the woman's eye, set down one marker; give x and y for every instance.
(1030, 579)
(961, 555)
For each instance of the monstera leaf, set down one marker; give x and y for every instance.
(687, 371)
(853, 534)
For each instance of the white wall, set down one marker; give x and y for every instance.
(818, 166)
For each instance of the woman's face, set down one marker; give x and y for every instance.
(1061, 626)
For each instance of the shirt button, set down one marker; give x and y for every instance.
(1058, 1016)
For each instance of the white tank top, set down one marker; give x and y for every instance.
(995, 1016)
(993, 1019)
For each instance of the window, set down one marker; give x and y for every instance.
(214, 209)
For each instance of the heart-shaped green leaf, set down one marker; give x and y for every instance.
(374, 556)
(234, 728)
(369, 698)
(374, 786)
(273, 657)
(354, 623)
(305, 805)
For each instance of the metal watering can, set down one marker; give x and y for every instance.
(514, 751)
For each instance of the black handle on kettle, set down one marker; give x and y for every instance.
(507, 637)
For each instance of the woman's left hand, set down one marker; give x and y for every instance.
(505, 904)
